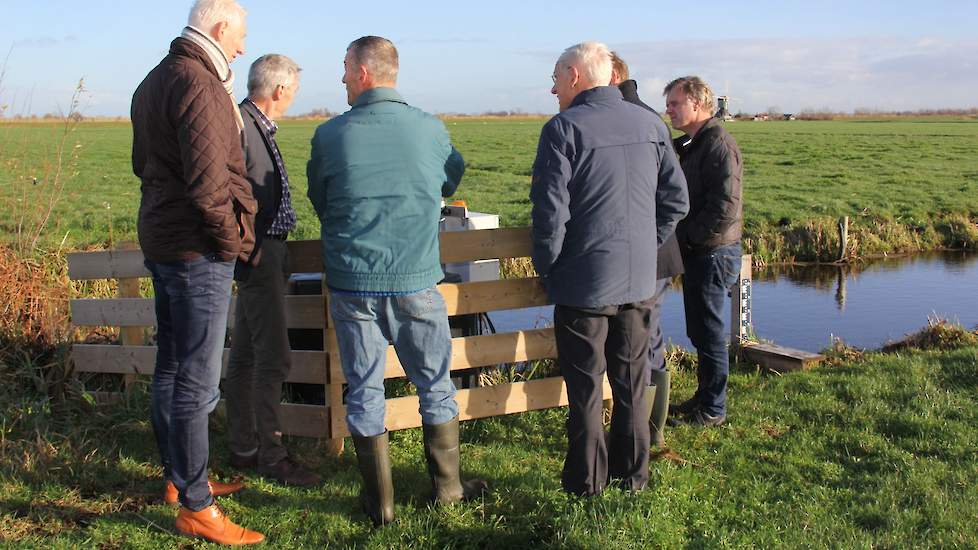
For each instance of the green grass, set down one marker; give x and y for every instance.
(907, 184)
(878, 451)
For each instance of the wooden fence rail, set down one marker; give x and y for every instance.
(134, 357)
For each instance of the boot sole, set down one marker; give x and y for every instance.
(203, 538)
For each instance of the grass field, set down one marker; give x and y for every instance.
(907, 184)
(874, 451)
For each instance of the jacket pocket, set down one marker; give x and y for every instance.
(726, 268)
(245, 210)
(420, 305)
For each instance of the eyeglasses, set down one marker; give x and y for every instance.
(554, 78)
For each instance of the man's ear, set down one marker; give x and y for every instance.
(575, 76)
(217, 32)
(278, 92)
(363, 77)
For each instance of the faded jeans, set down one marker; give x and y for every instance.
(417, 325)
(706, 284)
(192, 300)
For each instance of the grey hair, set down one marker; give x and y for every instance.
(268, 72)
(207, 13)
(378, 55)
(592, 59)
(696, 90)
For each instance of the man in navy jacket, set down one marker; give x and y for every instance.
(606, 193)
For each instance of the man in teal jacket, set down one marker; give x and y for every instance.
(376, 179)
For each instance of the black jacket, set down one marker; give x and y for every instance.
(606, 192)
(264, 177)
(714, 172)
(670, 261)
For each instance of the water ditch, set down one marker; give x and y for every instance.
(805, 306)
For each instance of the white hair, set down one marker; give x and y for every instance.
(207, 13)
(592, 59)
(270, 71)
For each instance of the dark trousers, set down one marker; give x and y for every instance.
(657, 351)
(192, 300)
(706, 285)
(260, 358)
(591, 341)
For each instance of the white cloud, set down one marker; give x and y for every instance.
(44, 41)
(885, 73)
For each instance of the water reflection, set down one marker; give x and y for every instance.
(873, 302)
(804, 307)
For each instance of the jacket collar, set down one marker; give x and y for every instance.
(376, 95)
(594, 95)
(186, 48)
(710, 124)
(629, 90)
(268, 125)
(685, 142)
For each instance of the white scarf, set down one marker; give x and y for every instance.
(220, 63)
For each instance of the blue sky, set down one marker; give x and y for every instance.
(472, 57)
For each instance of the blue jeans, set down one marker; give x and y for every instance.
(417, 324)
(706, 285)
(192, 300)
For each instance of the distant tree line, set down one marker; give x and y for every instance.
(772, 113)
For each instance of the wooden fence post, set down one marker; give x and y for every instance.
(334, 389)
(843, 238)
(130, 336)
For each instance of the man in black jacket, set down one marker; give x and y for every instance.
(709, 239)
(260, 357)
(669, 264)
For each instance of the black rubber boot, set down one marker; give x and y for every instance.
(442, 454)
(660, 407)
(377, 496)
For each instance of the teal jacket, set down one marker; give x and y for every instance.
(376, 179)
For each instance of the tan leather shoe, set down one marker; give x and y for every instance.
(211, 524)
(218, 489)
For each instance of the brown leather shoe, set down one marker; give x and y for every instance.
(288, 472)
(218, 489)
(211, 524)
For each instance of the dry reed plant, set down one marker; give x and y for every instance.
(39, 186)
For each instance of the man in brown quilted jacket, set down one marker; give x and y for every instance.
(195, 219)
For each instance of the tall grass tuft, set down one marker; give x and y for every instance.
(817, 239)
(939, 334)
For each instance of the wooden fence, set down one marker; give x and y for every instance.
(132, 313)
